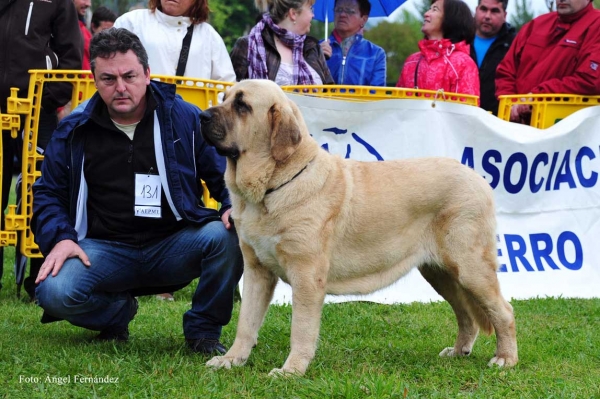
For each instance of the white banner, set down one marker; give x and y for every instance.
(545, 183)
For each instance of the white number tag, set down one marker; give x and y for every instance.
(147, 196)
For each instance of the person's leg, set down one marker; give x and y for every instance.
(212, 253)
(93, 297)
(8, 155)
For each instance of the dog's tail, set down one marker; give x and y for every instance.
(463, 302)
(478, 314)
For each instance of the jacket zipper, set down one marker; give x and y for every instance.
(343, 69)
(28, 18)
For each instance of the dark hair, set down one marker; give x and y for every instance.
(363, 5)
(458, 23)
(102, 14)
(110, 41)
(503, 2)
(198, 12)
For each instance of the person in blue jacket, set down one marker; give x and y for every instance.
(353, 60)
(118, 212)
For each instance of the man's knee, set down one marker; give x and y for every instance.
(59, 296)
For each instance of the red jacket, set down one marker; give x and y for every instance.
(554, 55)
(87, 37)
(441, 65)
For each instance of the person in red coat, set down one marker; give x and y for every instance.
(444, 61)
(82, 7)
(558, 52)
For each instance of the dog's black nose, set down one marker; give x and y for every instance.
(205, 116)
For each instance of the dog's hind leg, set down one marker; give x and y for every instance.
(446, 286)
(479, 280)
(259, 286)
(485, 290)
(308, 294)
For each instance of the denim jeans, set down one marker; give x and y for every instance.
(98, 297)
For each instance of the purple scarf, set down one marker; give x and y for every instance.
(257, 57)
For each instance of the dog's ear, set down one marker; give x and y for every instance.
(285, 132)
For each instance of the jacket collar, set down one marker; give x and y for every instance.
(432, 49)
(163, 95)
(569, 19)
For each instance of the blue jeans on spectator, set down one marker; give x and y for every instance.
(98, 297)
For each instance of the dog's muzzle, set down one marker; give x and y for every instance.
(214, 134)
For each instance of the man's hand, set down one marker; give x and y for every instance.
(520, 113)
(60, 253)
(225, 219)
(326, 47)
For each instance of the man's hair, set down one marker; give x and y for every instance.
(102, 14)
(363, 5)
(458, 23)
(503, 2)
(116, 40)
(198, 12)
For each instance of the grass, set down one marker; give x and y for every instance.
(366, 350)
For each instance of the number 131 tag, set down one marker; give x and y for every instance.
(147, 195)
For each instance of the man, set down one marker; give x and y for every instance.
(82, 7)
(352, 59)
(102, 18)
(34, 35)
(493, 37)
(558, 52)
(117, 211)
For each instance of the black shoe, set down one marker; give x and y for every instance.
(118, 333)
(206, 346)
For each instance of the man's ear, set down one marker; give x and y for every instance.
(285, 133)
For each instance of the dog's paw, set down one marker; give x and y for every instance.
(448, 352)
(502, 361)
(225, 362)
(277, 373)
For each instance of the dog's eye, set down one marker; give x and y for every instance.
(240, 105)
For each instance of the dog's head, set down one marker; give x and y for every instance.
(259, 130)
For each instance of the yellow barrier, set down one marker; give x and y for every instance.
(203, 93)
(546, 109)
(373, 93)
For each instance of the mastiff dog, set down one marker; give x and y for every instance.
(327, 225)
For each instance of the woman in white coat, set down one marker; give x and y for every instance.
(162, 28)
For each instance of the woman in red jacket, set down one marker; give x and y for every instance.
(444, 61)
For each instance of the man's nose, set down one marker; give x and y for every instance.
(120, 87)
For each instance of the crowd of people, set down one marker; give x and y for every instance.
(118, 211)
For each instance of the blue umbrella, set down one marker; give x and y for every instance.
(323, 9)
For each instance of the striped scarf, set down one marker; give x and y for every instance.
(257, 57)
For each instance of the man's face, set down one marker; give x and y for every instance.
(347, 18)
(568, 7)
(489, 18)
(82, 6)
(121, 82)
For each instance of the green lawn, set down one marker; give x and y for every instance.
(366, 351)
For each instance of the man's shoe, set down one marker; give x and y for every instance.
(206, 346)
(115, 333)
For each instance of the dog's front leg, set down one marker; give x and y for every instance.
(308, 294)
(259, 286)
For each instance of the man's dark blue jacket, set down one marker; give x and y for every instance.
(60, 194)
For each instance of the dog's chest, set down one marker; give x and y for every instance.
(263, 238)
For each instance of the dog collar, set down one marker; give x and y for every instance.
(269, 191)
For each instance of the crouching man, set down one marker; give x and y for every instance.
(117, 211)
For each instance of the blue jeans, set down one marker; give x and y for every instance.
(98, 297)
